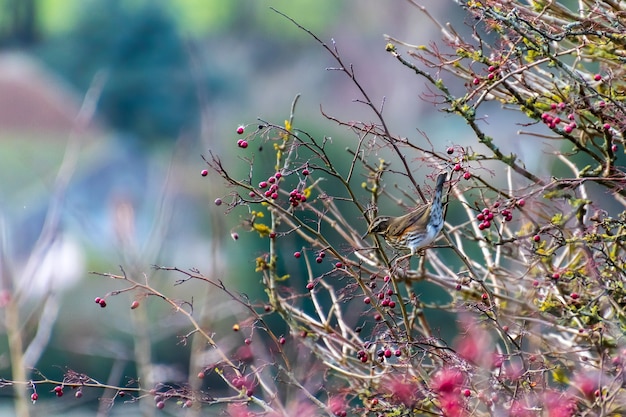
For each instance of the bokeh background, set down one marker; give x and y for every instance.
(106, 107)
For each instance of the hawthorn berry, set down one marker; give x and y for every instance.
(297, 255)
(536, 238)
(305, 172)
(218, 202)
(102, 303)
(450, 150)
(160, 405)
(204, 172)
(597, 77)
(240, 130)
(134, 305)
(34, 397)
(467, 175)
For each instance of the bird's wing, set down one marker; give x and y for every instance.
(420, 213)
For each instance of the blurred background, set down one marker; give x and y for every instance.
(106, 107)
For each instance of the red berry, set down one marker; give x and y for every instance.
(597, 77)
(97, 300)
(305, 172)
(134, 305)
(319, 259)
(467, 175)
(338, 265)
(521, 202)
(556, 275)
(574, 295)
(614, 148)
(491, 68)
(240, 130)
(274, 196)
(188, 404)
(78, 394)
(467, 393)
(476, 81)
(536, 238)
(242, 144)
(378, 317)
(450, 150)
(272, 235)
(606, 126)
(367, 300)
(204, 172)
(247, 341)
(218, 202)
(34, 397)
(457, 167)
(200, 375)
(310, 286)
(387, 353)
(392, 304)
(282, 340)
(160, 405)
(278, 175)
(485, 296)
(297, 255)
(263, 184)
(102, 303)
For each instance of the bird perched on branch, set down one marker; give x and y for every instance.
(415, 230)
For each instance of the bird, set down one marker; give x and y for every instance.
(416, 229)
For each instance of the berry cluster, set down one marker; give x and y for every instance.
(552, 119)
(296, 197)
(486, 216)
(272, 183)
(493, 72)
(101, 301)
